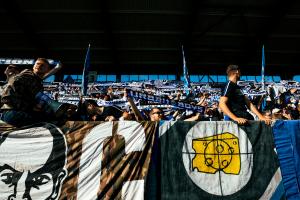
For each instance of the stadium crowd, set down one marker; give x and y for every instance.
(148, 100)
(279, 101)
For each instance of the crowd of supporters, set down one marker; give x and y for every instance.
(113, 101)
(148, 100)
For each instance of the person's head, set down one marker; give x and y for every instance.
(32, 163)
(267, 114)
(55, 96)
(41, 67)
(277, 113)
(127, 116)
(11, 70)
(109, 90)
(215, 105)
(106, 98)
(156, 114)
(233, 71)
(91, 107)
(293, 90)
(206, 94)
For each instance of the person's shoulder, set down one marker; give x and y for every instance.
(28, 74)
(24, 73)
(26, 77)
(228, 88)
(229, 83)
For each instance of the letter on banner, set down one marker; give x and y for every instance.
(194, 107)
(150, 98)
(158, 99)
(17, 61)
(143, 96)
(187, 106)
(134, 94)
(8, 61)
(91, 158)
(180, 104)
(28, 62)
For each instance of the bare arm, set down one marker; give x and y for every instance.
(201, 101)
(53, 71)
(253, 108)
(135, 110)
(226, 111)
(193, 118)
(260, 101)
(137, 114)
(256, 112)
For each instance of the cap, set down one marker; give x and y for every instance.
(276, 110)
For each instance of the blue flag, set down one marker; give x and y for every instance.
(287, 137)
(186, 77)
(85, 73)
(263, 68)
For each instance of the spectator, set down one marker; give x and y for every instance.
(127, 116)
(234, 103)
(18, 98)
(101, 113)
(277, 114)
(289, 97)
(194, 117)
(287, 114)
(267, 114)
(203, 99)
(10, 71)
(156, 114)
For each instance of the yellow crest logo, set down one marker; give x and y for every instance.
(220, 152)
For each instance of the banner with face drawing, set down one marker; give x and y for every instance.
(32, 163)
(80, 160)
(114, 160)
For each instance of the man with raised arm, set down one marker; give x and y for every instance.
(19, 97)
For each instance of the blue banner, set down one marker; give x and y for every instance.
(287, 137)
(165, 101)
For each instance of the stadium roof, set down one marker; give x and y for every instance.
(145, 36)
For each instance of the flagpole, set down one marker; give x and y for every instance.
(85, 73)
(263, 63)
(185, 73)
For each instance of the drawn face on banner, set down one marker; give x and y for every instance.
(32, 164)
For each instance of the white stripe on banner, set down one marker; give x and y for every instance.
(274, 183)
(90, 162)
(90, 170)
(133, 190)
(165, 126)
